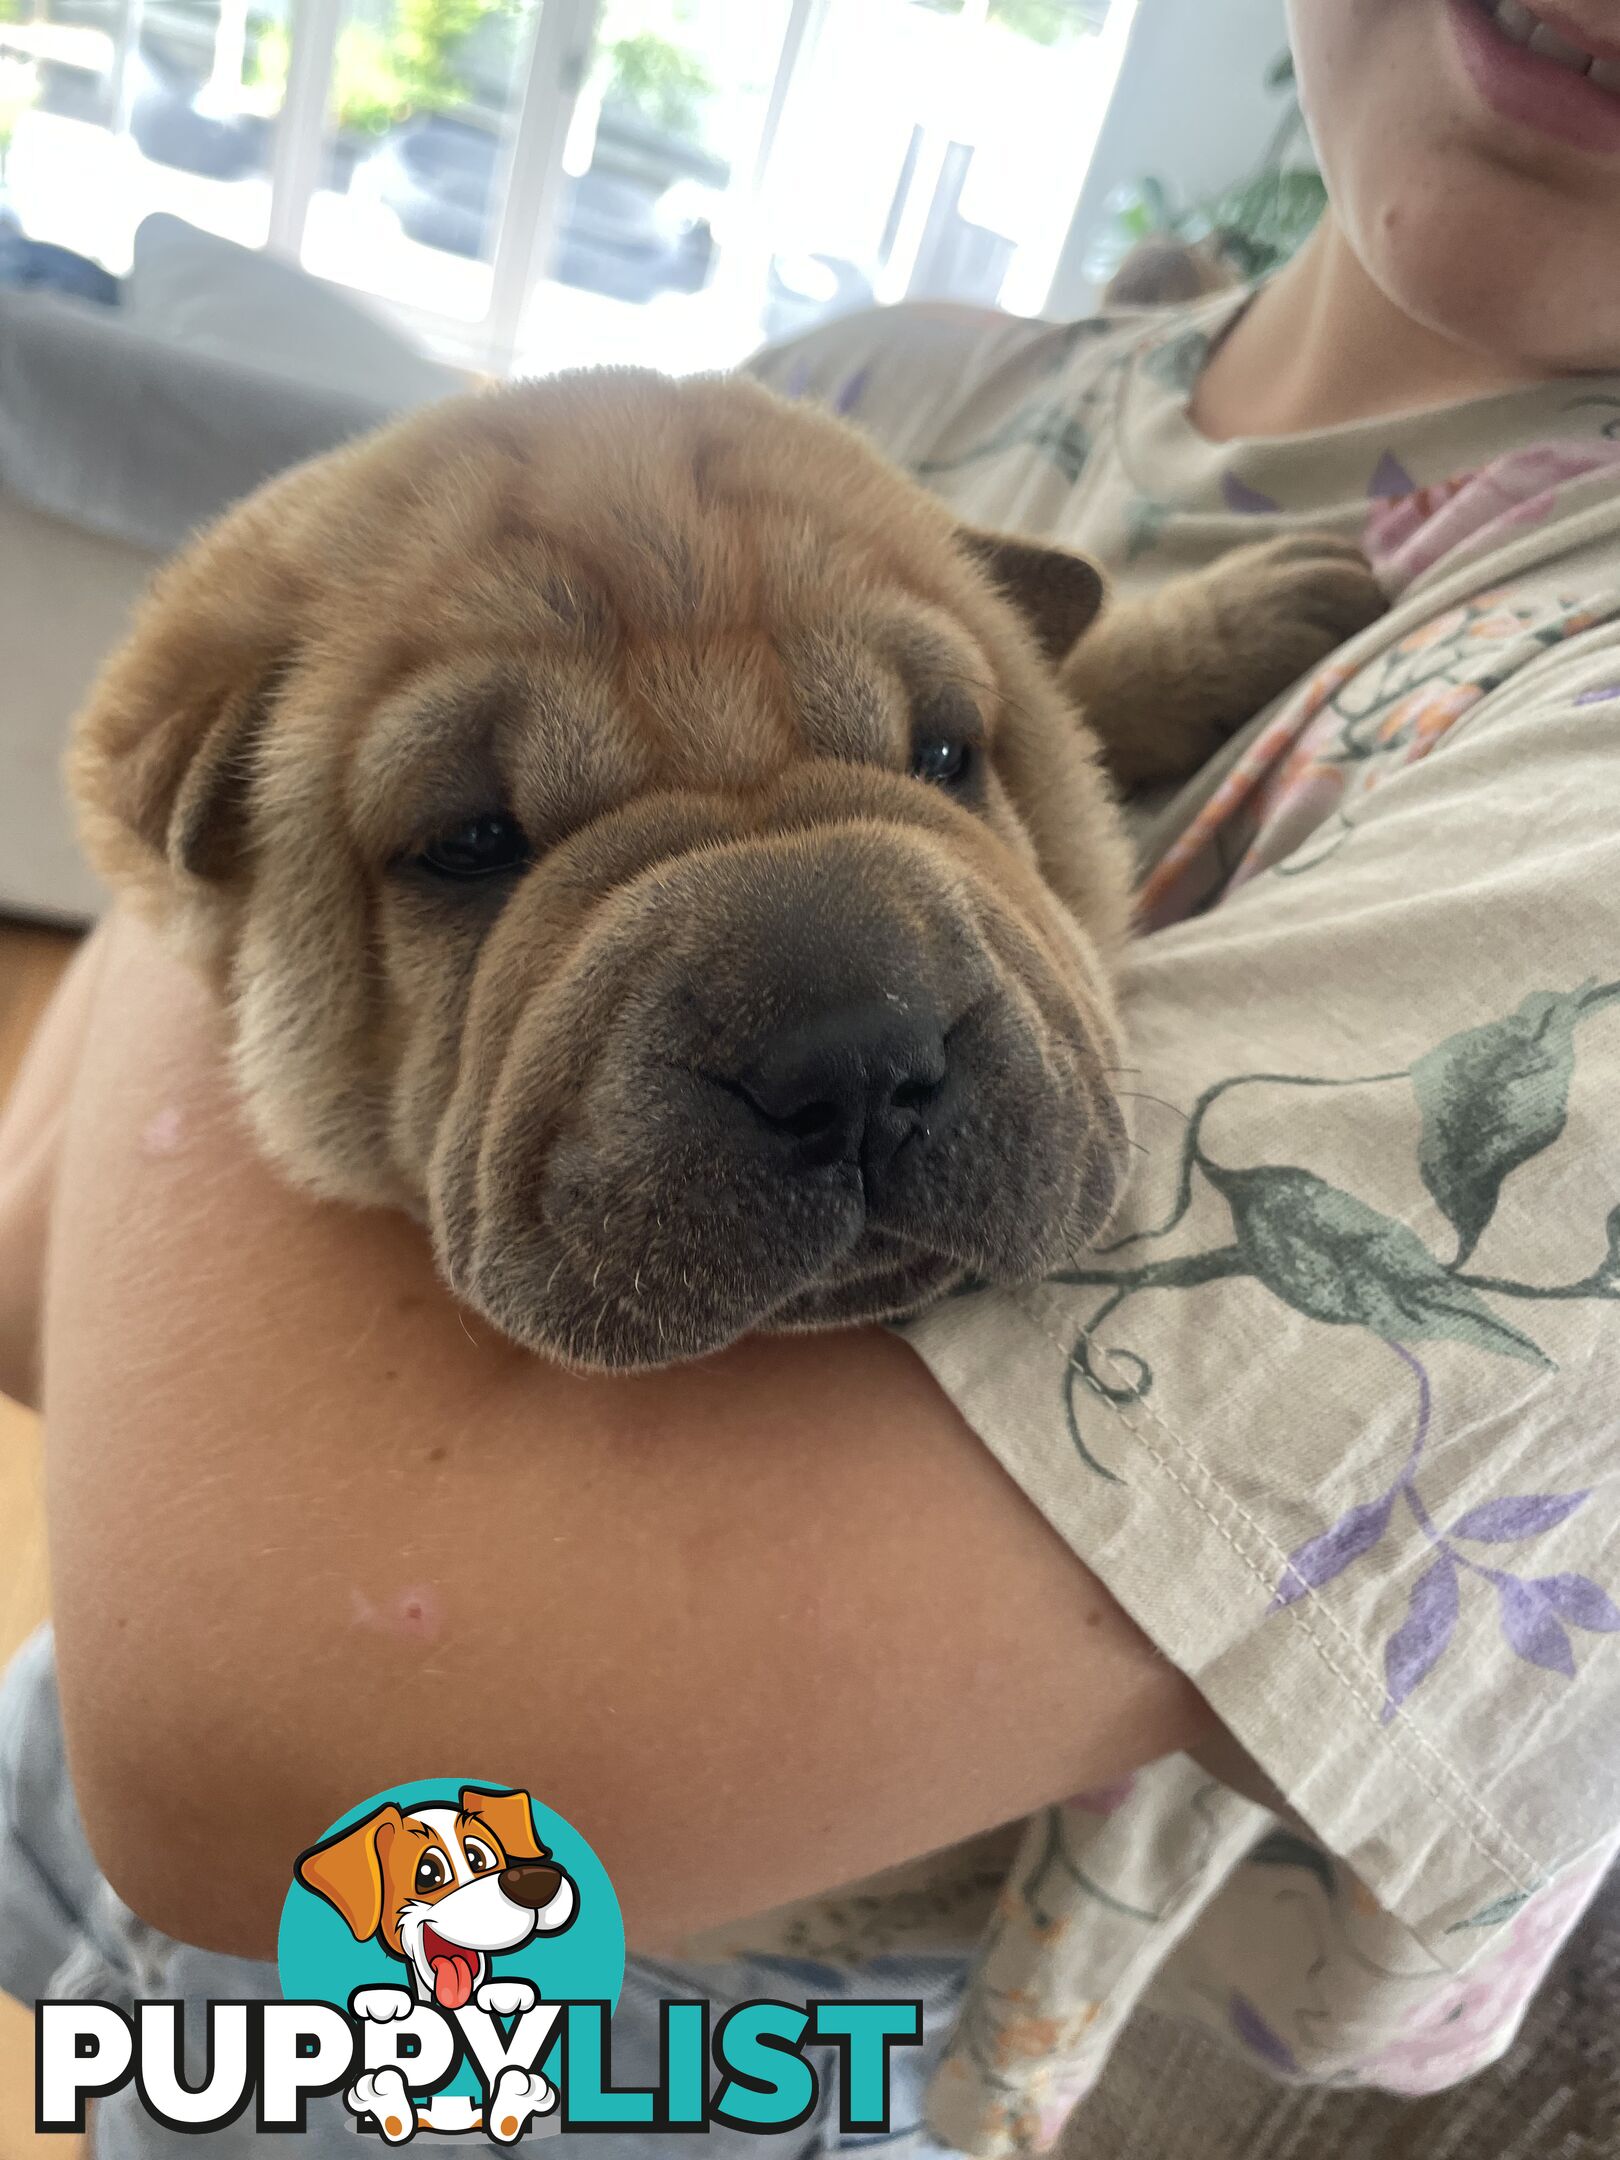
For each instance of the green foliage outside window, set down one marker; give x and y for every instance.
(383, 72)
(1255, 225)
(1046, 22)
(667, 85)
(649, 55)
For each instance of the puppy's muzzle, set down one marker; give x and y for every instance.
(855, 1084)
(833, 1071)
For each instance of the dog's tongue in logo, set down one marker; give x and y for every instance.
(454, 1970)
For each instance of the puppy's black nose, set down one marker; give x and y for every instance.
(853, 1085)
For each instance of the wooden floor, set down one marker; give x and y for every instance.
(30, 962)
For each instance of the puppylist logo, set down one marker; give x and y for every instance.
(451, 1956)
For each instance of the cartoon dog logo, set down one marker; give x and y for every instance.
(444, 1890)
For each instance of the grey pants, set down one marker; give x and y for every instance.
(64, 1933)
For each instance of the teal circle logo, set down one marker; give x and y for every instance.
(445, 1891)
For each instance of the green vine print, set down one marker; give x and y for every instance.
(1490, 1099)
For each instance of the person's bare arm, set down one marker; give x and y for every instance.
(758, 1627)
(32, 1117)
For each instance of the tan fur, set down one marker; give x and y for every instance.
(1165, 680)
(687, 635)
(1161, 272)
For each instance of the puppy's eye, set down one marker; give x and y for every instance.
(942, 760)
(432, 1873)
(479, 1857)
(482, 847)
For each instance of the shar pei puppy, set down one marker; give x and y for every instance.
(641, 834)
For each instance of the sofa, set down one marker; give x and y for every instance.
(122, 429)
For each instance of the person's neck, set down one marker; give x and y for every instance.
(1321, 346)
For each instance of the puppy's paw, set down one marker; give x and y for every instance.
(507, 1998)
(1283, 605)
(381, 2005)
(380, 2097)
(1319, 576)
(518, 2097)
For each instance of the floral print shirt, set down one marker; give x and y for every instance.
(1333, 1412)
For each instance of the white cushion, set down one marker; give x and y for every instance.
(209, 295)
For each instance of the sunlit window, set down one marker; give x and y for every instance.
(535, 183)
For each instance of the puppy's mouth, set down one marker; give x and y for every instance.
(715, 1211)
(456, 1970)
(834, 1085)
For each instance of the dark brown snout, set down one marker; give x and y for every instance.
(531, 1883)
(854, 1085)
(821, 1069)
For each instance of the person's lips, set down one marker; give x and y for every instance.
(1534, 72)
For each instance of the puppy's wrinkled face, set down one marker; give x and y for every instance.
(638, 836)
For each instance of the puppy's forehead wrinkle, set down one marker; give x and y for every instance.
(573, 732)
(548, 738)
(849, 702)
(570, 749)
(572, 603)
(431, 745)
(669, 579)
(931, 653)
(719, 712)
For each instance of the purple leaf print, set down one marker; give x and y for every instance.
(851, 392)
(1578, 1600)
(1531, 1630)
(1252, 2029)
(1518, 1516)
(1390, 477)
(1247, 501)
(1323, 1557)
(798, 381)
(1419, 1643)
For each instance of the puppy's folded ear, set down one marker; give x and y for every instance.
(1059, 593)
(204, 829)
(161, 766)
(165, 749)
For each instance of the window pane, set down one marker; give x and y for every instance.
(115, 110)
(731, 183)
(424, 102)
(936, 151)
(654, 256)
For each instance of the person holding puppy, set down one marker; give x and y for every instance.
(1232, 1617)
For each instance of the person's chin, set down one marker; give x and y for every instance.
(1492, 258)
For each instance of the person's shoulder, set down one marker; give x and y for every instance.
(906, 374)
(938, 336)
(913, 350)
